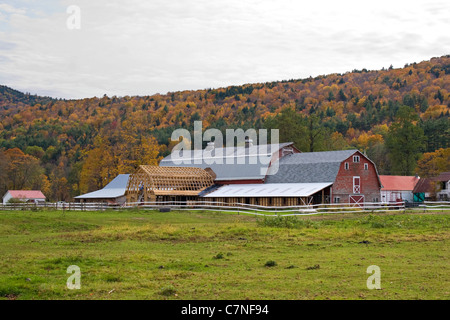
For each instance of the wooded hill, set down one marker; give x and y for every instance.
(394, 115)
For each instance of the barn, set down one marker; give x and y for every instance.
(398, 188)
(233, 165)
(352, 177)
(34, 196)
(285, 177)
(424, 190)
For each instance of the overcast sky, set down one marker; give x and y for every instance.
(138, 47)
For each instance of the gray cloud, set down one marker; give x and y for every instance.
(144, 47)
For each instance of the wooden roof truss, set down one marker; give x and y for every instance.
(151, 181)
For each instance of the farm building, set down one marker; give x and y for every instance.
(398, 188)
(435, 188)
(112, 193)
(154, 183)
(35, 196)
(443, 181)
(285, 177)
(424, 190)
(270, 194)
(241, 165)
(352, 177)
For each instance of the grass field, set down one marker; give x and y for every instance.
(207, 255)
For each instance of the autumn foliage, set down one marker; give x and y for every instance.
(77, 146)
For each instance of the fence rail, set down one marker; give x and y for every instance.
(56, 206)
(240, 207)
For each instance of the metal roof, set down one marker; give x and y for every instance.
(268, 190)
(398, 183)
(116, 188)
(309, 167)
(233, 163)
(444, 176)
(26, 194)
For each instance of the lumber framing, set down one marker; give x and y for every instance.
(148, 182)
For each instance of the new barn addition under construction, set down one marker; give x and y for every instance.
(292, 178)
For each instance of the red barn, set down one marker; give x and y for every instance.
(352, 176)
(286, 176)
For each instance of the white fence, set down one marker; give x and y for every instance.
(57, 206)
(367, 207)
(267, 210)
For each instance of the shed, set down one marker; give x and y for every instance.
(113, 192)
(424, 190)
(35, 196)
(398, 188)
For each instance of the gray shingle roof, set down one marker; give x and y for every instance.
(308, 167)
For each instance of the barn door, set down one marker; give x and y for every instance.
(357, 201)
(419, 197)
(356, 185)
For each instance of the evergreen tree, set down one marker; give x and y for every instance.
(404, 142)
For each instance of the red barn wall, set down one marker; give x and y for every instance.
(370, 186)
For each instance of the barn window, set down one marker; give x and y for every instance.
(337, 200)
(346, 166)
(366, 166)
(355, 158)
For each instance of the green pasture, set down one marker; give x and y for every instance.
(140, 254)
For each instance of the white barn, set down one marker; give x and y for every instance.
(35, 196)
(397, 188)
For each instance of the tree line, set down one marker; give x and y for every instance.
(398, 117)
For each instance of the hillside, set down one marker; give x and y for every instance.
(77, 141)
(12, 98)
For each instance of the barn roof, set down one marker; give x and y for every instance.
(26, 194)
(398, 183)
(116, 188)
(429, 184)
(424, 185)
(444, 176)
(232, 163)
(308, 167)
(268, 190)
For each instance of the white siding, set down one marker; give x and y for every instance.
(388, 195)
(6, 197)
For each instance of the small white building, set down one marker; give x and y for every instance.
(35, 196)
(398, 188)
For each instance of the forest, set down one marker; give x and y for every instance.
(399, 117)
